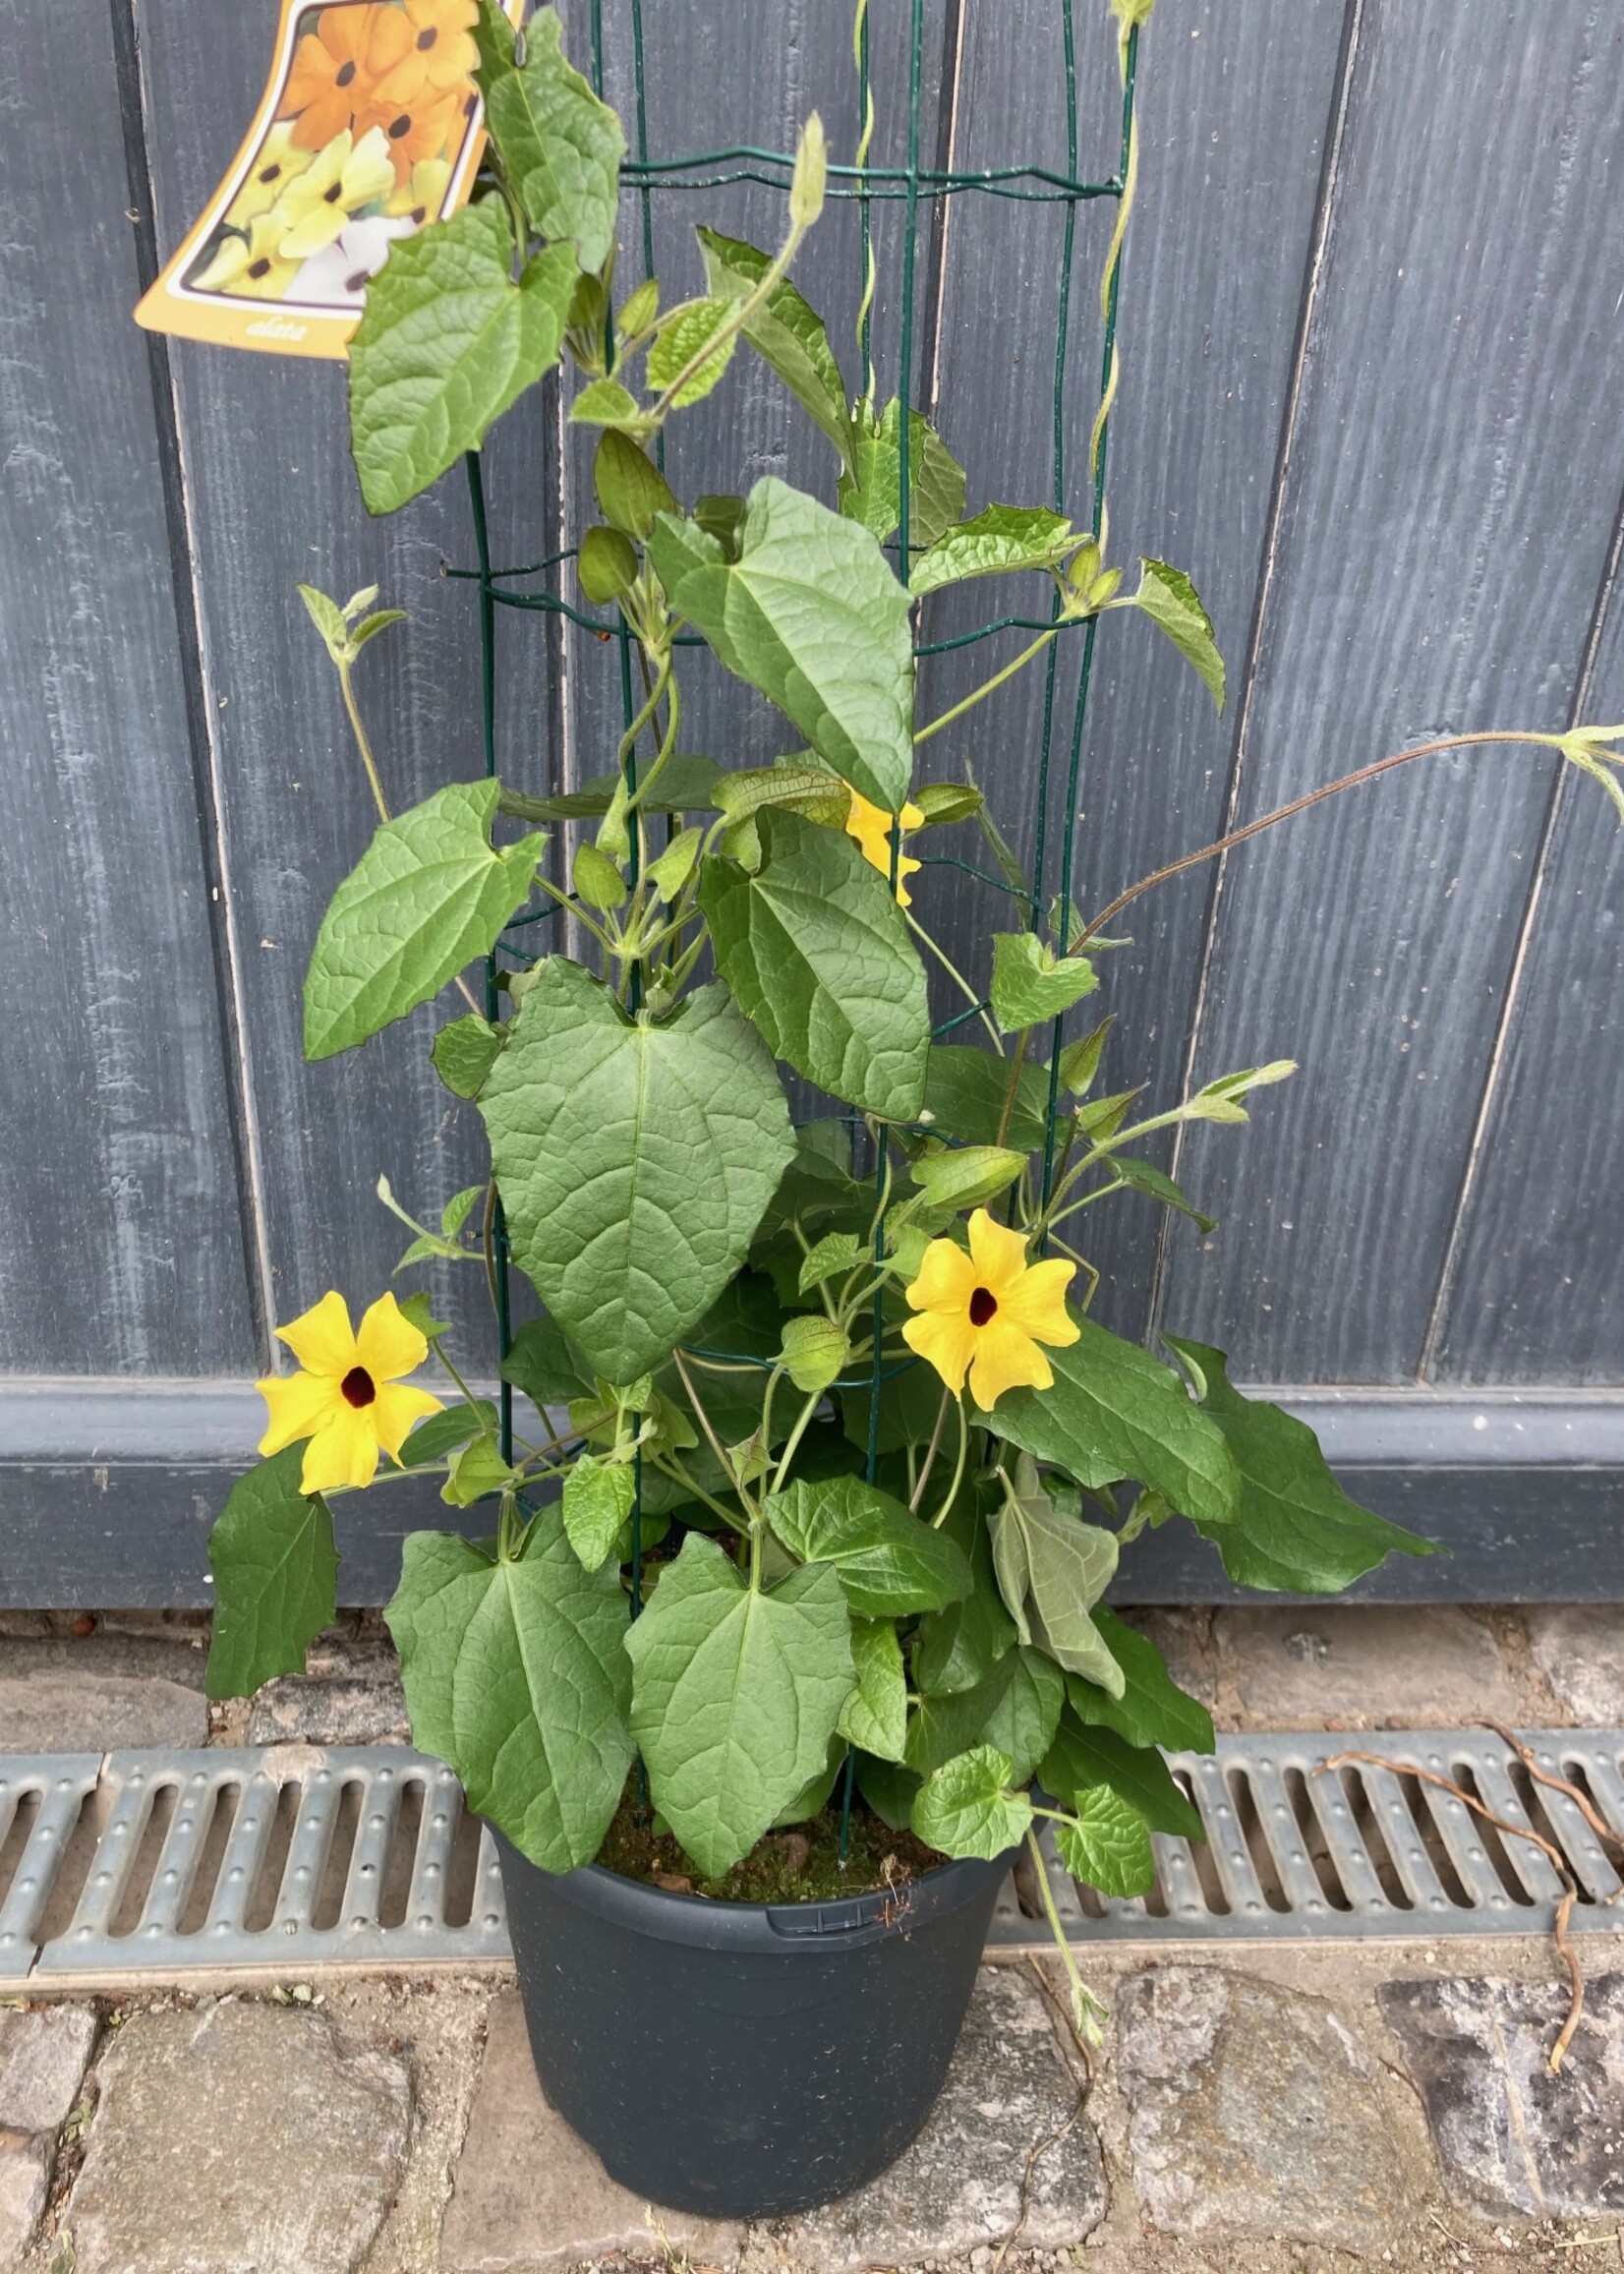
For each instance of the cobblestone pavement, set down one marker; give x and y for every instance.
(1283, 2110)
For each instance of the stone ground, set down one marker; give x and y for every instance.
(1270, 2110)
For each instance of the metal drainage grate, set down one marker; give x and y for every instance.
(293, 1858)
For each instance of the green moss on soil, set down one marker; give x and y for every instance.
(801, 1864)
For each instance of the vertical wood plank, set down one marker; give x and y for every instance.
(273, 500)
(1442, 540)
(1535, 1296)
(121, 1250)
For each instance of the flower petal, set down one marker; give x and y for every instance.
(396, 1411)
(1006, 1359)
(344, 1452)
(945, 1340)
(296, 1405)
(389, 1345)
(944, 1279)
(998, 1252)
(1036, 1302)
(322, 1340)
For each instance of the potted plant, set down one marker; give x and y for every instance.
(791, 1630)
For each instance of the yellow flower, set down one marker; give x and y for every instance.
(874, 828)
(279, 160)
(317, 204)
(986, 1313)
(250, 268)
(348, 1399)
(421, 196)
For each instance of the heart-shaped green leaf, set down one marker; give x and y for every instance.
(275, 1576)
(560, 147)
(966, 1807)
(890, 1562)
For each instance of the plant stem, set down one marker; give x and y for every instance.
(792, 1442)
(955, 975)
(1351, 780)
(1080, 1999)
(923, 1479)
(361, 742)
(987, 687)
(669, 1466)
(1012, 1088)
(957, 1477)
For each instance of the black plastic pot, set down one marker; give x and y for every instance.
(744, 2060)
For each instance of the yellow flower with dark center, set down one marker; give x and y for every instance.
(250, 268)
(985, 1313)
(421, 196)
(348, 1398)
(279, 160)
(874, 828)
(319, 204)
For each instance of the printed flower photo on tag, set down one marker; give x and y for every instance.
(370, 124)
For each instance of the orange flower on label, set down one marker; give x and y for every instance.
(348, 1398)
(337, 67)
(441, 56)
(426, 127)
(985, 1314)
(873, 829)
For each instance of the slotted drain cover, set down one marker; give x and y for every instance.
(290, 1858)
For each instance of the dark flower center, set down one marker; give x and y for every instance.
(259, 267)
(345, 72)
(355, 282)
(331, 195)
(425, 39)
(400, 126)
(358, 1387)
(270, 173)
(983, 1304)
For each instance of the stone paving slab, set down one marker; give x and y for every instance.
(1578, 1647)
(1252, 2111)
(239, 2138)
(1007, 2153)
(65, 1696)
(25, 2186)
(1512, 2137)
(43, 2053)
(529, 2193)
(1357, 1666)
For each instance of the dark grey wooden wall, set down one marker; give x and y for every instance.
(1371, 325)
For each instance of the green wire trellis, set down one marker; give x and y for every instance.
(864, 183)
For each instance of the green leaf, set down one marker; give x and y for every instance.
(541, 1363)
(958, 1648)
(686, 784)
(818, 955)
(814, 1351)
(446, 342)
(464, 1053)
(634, 1160)
(1145, 1176)
(1023, 1722)
(1220, 1100)
(1081, 1760)
(1152, 1710)
(735, 1695)
(515, 1677)
(597, 1501)
(604, 402)
(785, 332)
(890, 1562)
(872, 492)
(631, 488)
(1294, 1529)
(1108, 1846)
(964, 1807)
(966, 1176)
(1031, 983)
(442, 1432)
(875, 1715)
(605, 565)
(889, 1789)
(964, 1092)
(419, 1311)
(1051, 1571)
(430, 894)
(330, 621)
(1079, 1061)
(1000, 539)
(1173, 604)
(941, 1726)
(1115, 1412)
(832, 1258)
(560, 147)
(808, 790)
(680, 340)
(811, 614)
(275, 1576)
(477, 1473)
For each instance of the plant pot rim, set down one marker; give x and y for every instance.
(708, 1922)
